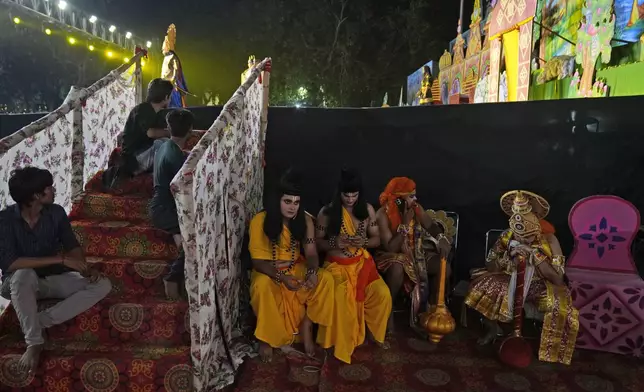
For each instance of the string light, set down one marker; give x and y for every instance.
(48, 31)
(112, 28)
(93, 19)
(110, 54)
(126, 60)
(91, 48)
(71, 40)
(62, 4)
(128, 35)
(16, 20)
(148, 44)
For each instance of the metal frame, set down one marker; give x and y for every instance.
(75, 20)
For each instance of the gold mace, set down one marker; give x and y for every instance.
(439, 322)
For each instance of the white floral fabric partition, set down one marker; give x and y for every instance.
(49, 149)
(104, 116)
(217, 191)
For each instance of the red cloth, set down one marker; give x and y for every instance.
(546, 227)
(367, 274)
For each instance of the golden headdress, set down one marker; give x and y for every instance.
(525, 209)
(170, 39)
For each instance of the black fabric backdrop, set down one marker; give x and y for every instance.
(462, 157)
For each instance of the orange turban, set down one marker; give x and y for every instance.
(396, 188)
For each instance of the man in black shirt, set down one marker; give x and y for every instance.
(32, 233)
(167, 162)
(141, 136)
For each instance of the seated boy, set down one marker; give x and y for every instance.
(167, 162)
(141, 136)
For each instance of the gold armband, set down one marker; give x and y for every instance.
(538, 257)
(559, 263)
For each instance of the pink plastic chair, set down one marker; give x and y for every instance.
(606, 287)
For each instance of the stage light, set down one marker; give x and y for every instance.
(62, 4)
(16, 20)
(110, 54)
(128, 35)
(71, 40)
(112, 28)
(148, 44)
(91, 48)
(48, 31)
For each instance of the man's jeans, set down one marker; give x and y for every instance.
(24, 288)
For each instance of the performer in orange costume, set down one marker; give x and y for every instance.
(411, 246)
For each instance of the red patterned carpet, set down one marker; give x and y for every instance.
(135, 339)
(457, 364)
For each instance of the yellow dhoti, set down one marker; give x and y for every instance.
(361, 298)
(279, 310)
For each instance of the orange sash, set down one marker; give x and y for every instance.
(367, 274)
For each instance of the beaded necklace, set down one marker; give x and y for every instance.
(292, 248)
(359, 233)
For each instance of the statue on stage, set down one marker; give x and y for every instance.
(425, 92)
(251, 64)
(171, 70)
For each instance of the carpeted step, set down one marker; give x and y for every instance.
(108, 206)
(141, 185)
(132, 277)
(124, 239)
(117, 321)
(82, 366)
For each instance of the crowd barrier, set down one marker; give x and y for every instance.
(217, 191)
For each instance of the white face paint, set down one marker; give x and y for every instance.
(289, 206)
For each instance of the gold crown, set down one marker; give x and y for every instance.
(170, 38)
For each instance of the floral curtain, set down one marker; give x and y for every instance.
(61, 142)
(50, 148)
(104, 116)
(217, 190)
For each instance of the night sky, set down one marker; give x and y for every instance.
(208, 35)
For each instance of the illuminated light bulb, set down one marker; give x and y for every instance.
(48, 31)
(148, 44)
(16, 20)
(128, 35)
(62, 4)
(71, 40)
(126, 60)
(91, 48)
(112, 29)
(110, 54)
(93, 19)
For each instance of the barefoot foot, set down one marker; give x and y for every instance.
(171, 290)
(265, 352)
(306, 329)
(31, 357)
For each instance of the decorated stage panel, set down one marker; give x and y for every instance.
(518, 50)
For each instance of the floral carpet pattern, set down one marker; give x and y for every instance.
(133, 340)
(457, 364)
